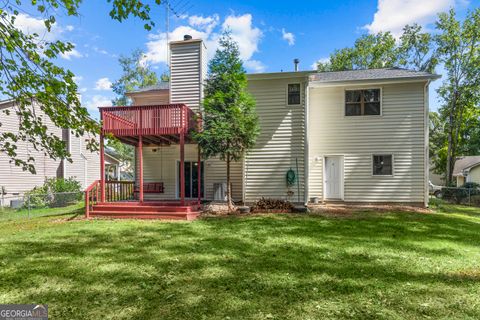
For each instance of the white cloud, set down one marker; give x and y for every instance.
(244, 34)
(208, 29)
(157, 46)
(321, 60)
(71, 54)
(97, 101)
(393, 15)
(289, 37)
(204, 23)
(103, 84)
(255, 66)
(31, 25)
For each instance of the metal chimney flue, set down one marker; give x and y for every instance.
(187, 37)
(296, 61)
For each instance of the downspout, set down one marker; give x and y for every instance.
(426, 144)
(306, 165)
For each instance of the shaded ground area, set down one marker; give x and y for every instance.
(392, 265)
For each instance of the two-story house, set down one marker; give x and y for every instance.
(84, 166)
(352, 136)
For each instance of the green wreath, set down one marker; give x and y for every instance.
(291, 178)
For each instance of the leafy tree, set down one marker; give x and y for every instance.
(230, 122)
(437, 143)
(458, 49)
(29, 75)
(381, 50)
(136, 75)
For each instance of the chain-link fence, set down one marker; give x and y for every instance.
(461, 195)
(32, 205)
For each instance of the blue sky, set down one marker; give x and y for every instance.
(270, 33)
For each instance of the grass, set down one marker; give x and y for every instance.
(25, 213)
(363, 266)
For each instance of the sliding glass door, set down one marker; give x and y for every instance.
(191, 179)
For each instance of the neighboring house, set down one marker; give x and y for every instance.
(84, 168)
(115, 169)
(353, 136)
(467, 169)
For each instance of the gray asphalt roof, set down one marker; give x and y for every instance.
(465, 163)
(371, 74)
(160, 86)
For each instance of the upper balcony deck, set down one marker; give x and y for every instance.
(129, 122)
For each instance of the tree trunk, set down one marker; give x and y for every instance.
(450, 152)
(229, 191)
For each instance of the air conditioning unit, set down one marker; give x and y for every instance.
(220, 191)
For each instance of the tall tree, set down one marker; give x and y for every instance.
(458, 49)
(29, 74)
(230, 122)
(136, 75)
(413, 50)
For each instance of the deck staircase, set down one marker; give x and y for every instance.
(146, 210)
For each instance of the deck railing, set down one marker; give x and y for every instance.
(92, 194)
(147, 120)
(119, 191)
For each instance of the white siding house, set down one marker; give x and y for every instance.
(84, 168)
(352, 136)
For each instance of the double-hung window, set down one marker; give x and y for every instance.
(293, 94)
(365, 102)
(382, 165)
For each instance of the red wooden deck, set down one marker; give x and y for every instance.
(143, 126)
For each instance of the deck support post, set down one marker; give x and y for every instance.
(182, 168)
(102, 168)
(140, 160)
(199, 177)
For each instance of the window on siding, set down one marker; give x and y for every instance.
(383, 165)
(362, 102)
(293, 94)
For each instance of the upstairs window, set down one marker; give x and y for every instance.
(293, 94)
(383, 165)
(362, 102)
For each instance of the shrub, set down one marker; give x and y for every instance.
(55, 192)
(458, 195)
(272, 205)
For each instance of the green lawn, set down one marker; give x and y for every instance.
(361, 266)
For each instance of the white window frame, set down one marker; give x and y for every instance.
(286, 94)
(363, 115)
(382, 154)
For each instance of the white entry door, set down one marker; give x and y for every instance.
(333, 178)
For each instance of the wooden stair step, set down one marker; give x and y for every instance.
(147, 215)
(144, 208)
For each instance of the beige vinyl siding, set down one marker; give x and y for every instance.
(161, 166)
(154, 97)
(12, 177)
(186, 73)
(280, 143)
(398, 131)
(85, 167)
(474, 174)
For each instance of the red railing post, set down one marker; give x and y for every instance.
(102, 168)
(140, 160)
(182, 168)
(199, 177)
(87, 204)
